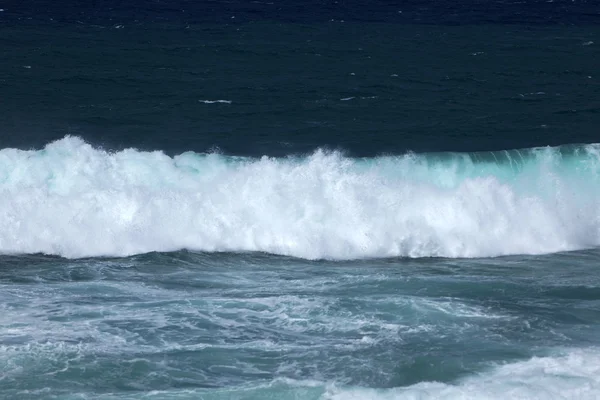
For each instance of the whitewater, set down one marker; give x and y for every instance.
(186, 325)
(75, 200)
(571, 375)
(138, 274)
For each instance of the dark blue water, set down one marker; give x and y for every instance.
(307, 200)
(466, 12)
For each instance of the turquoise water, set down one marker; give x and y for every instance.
(254, 326)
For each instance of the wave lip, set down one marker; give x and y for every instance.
(73, 200)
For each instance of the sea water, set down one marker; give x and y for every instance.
(259, 200)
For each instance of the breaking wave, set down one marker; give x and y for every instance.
(74, 200)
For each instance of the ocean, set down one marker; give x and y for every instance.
(300, 200)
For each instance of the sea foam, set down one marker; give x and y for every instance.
(575, 375)
(74, 200)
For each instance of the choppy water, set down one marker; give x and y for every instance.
(232, 317)
(215, 326)
(256, 200)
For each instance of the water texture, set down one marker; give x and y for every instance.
(299, 200)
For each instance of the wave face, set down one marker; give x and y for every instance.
(73, 200)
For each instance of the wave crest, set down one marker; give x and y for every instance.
(73, 200)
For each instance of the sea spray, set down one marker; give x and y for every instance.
(74, 200)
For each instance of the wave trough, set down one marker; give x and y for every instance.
(74, 200)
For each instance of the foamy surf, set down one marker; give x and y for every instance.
(574, 375)
(74, 200)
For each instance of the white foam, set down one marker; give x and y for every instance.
(215, 101)
(575, 375)
(74, 200)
